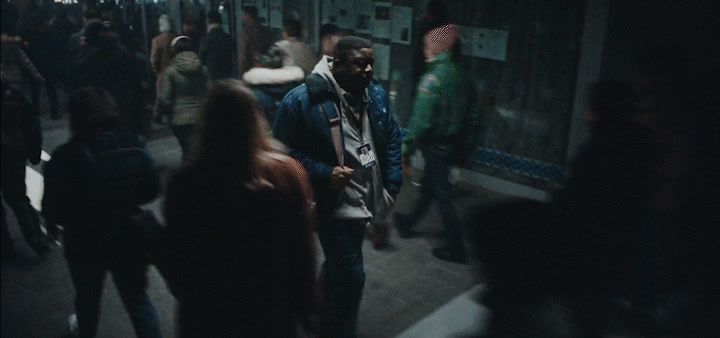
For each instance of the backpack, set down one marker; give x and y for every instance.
(125, 176)
(468, 137)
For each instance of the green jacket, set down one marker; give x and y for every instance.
(443, 99)
(184, 88)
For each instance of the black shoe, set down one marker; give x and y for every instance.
(403, 225)
(450, 253)
(379, 237)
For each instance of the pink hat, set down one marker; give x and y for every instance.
(441, 39)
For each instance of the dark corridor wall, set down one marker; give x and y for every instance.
(685, 29)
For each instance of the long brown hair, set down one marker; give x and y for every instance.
(92, 109)
(233, 133)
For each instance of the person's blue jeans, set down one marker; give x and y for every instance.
(343, 276)
(130, 279)
(436, 185)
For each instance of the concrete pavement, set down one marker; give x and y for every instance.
(405, 286)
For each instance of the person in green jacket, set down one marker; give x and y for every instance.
(441, 105)
(183, 93)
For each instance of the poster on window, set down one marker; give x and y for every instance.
(401, 24)
(329, 12)
(381, 54)
(345, 16)
(263, 7)
(490, 44)
(467, 39)
(381, 20)
(276, 14)
(363, 16)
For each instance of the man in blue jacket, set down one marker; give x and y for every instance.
(339, 125)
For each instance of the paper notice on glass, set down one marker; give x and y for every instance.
(381, 53)
(467, 38)
(363, 16)
(344, 14)
(401, 24)
(489, 43)
(263, 7)
(381, 23)
(276, 14)
(329, 12)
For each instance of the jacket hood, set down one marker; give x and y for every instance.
(322, 68)
(187, 62)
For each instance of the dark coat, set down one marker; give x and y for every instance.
(115, 69)
(111, 67)
(253, 41)
(21, 133)
(302, 124)
(94, 229)
(240, 259)
(216, 52)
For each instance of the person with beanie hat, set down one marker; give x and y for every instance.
(442, 102)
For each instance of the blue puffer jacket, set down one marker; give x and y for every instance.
(303, 125)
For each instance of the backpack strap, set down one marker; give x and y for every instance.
(335, 132)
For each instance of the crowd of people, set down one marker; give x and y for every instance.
(279, 144)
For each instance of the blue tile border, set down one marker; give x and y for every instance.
(517, 164)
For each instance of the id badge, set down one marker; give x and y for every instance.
(367, 156)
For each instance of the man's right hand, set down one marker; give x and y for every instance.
(406, 165)
(340, 177)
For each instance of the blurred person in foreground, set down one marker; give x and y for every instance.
(339, 125)
(612, 183)
(240, 260)
(534, 281)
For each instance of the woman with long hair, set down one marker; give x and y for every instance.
(240, 256)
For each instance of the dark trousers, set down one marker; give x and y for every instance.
(435, 185)
(130, 278)
(184, 135)
(343, 276)
(50, 89)
(14, 193)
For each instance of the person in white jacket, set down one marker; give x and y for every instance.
(272, 80)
